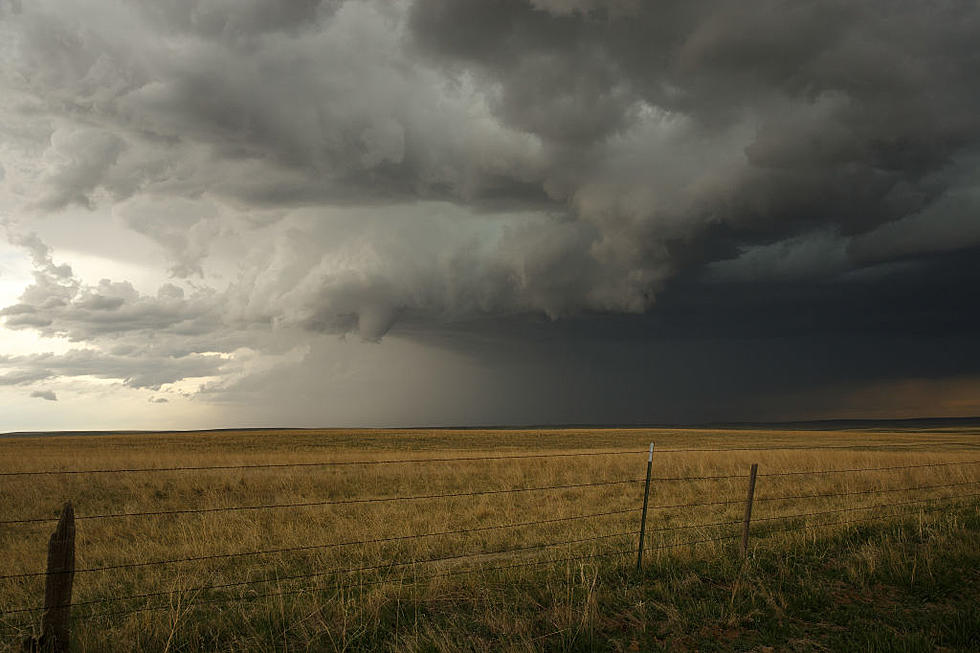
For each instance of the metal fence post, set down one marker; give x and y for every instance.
(748, 510)
(643, 519)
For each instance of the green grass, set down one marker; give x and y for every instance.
(885, 588)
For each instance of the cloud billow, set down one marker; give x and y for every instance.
(439, 162)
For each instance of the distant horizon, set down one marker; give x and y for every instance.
(910, 421)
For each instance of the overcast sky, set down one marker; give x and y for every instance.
(327, 213)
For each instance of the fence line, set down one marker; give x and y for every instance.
(871, 518)
(869, 469)
(383, 581)
(859, 508)
(332, 572)
(873, 491)
(521, 549)
(477, 570)
(540, 546)
(855, 447)
(454, 572)
(420, 497)
(327, 502)
(325, 463)
(719, 477)
(330, 545)
(399, 461)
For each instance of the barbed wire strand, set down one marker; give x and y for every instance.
(369, 500)
(328, 545)
(323, 463)
(806, 472)
(850, 509)
(259, 581)
(252, 597)
(324, 502)
(501, 552)
(380, 540)
(905, 514)
(383, 581)
(624, 552)
(873, 491)
(477, 529)
(455, 572)
(398, 461)
(859, 508)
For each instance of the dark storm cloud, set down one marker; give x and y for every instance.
(715, 170)
(47, 395)
(231, 19)
(859, 113)
(82, 160)
(649, 122)
(740, 350)
(209, 79)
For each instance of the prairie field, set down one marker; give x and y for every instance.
(524, 540)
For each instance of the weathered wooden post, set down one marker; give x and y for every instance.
(643, 519)
(56, 622)
(748, 510)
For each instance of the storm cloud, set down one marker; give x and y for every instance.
(477, 177)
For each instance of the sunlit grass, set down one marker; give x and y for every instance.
(399, 601)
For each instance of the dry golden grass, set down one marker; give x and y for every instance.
(355, 610)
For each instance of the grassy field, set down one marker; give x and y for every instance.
(908, 580)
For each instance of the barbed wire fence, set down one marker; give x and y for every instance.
(58, 609)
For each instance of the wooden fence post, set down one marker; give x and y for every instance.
(56, 622)
(643, 519)
(748, 510)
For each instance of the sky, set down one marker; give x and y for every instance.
(322, 213)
